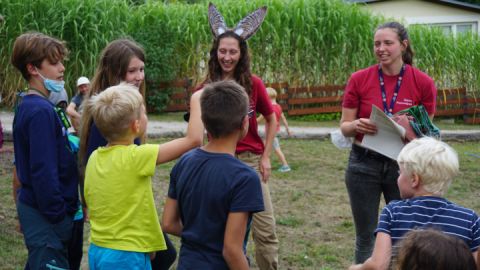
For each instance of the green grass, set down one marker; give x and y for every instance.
(314, 222)
(445, 124)
(442, 123)
(290, 221)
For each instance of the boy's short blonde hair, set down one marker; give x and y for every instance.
(435, 162)
(114, 109)
(272, 93)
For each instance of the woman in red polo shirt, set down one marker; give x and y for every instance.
(392, 85)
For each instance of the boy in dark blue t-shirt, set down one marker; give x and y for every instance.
(44, 161)
(212, 195)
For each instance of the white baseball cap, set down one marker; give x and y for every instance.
(82, 80)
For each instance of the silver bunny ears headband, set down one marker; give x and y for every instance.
(244, 29)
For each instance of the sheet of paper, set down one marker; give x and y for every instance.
(388, 140)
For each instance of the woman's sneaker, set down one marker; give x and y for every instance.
(284, 168)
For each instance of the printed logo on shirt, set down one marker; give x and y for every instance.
(251, 111)
(405, 101)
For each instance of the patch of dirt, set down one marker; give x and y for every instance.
(6, 159)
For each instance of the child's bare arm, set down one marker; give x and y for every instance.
(285, 123)
(171, 150)
(270, 130)
(16, 185)
(260, 118)
(71, 110)
(476, 256)
(233, 240)
(74, 115)
(380, 259)
(171, 222)
(195, 124)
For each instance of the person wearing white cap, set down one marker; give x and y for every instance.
(73, 109)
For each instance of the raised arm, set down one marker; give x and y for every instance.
(173, 149)
(233, 240)
(195, 125)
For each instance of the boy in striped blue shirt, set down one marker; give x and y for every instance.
(427, 167)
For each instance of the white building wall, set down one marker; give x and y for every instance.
(424, 12)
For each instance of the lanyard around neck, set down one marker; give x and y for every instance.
(389, 110)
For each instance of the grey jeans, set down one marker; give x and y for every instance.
(368, 175)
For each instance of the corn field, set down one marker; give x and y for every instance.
(302, 42)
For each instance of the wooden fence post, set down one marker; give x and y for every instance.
(186, 88)
(454, 102)
(463, 90)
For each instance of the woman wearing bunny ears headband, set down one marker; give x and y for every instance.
(230, 60)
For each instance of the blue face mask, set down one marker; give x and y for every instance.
(52, 85)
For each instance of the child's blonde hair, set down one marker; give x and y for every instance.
(433, 161)
(114, 109)
(272, 93)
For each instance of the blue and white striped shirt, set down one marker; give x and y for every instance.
(399, 217)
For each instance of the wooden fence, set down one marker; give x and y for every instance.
(454, 102)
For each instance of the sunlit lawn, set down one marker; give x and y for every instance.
(314, 222)
(442, 123)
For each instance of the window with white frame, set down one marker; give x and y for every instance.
(457, 28)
